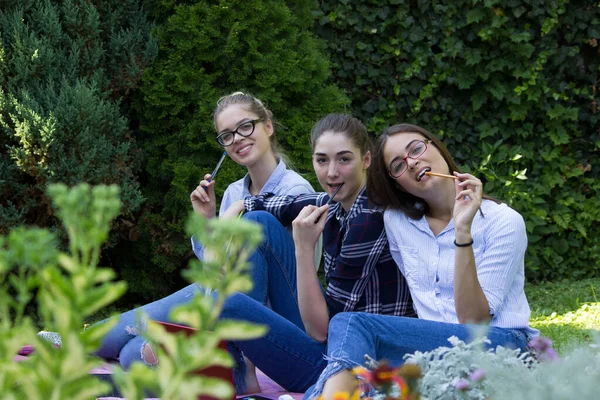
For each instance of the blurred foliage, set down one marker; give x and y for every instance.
(70, 286)
(511, 87)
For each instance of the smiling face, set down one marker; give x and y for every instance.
(337, 160)
(419, 156)
(248, 150)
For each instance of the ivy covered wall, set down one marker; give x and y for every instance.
(512, 87)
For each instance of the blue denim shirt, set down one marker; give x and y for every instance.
(282, 181)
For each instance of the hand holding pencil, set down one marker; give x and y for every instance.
(203, 196)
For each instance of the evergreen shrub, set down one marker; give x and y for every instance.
(66, 69)
(209, 49)
(513, 89)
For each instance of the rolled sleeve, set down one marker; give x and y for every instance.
(502, 261)
(198, 248)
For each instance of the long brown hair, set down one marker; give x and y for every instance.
(384, 191)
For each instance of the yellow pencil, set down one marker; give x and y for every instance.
(441, 175)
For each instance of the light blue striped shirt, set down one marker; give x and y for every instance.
(282, 181)
(427, 262)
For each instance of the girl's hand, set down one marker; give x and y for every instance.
(234, 210)
(308, 226)
(469, 190)
(203, 198)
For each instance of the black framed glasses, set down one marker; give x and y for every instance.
(416, 150)
(244, 129)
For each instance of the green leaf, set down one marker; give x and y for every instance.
(240, 330)
(497, 90)
(478, 99)
(558, 135)
(475, 15)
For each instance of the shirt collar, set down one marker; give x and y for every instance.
(359, 203)
(270, 186)
(422, 225)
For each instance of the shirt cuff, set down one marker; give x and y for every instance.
(198, 248)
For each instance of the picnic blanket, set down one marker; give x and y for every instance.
(269, 389)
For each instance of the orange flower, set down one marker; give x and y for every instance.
(362, 372)
(341, 396)
(403, 386)
(383, 374)
(344, 396)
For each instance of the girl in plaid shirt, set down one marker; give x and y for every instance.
(360, 273)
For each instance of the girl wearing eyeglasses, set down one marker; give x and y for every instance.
(245, 129)
(461, 252)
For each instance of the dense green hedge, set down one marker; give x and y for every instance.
(512, 87)
(66, 69)
(209, 49)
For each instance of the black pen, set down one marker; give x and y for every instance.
(334, 193)
(214, 173)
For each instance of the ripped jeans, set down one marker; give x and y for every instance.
(274, 276)
(352, 335)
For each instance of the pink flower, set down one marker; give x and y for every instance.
(462, 385)
(549, 355)
(543, 349)
(477, 375)
(541, 344)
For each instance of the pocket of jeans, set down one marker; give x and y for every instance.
(410, 259)
(522, 339)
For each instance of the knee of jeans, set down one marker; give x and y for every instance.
(344, 322)
(269, 223)
(259, 216)
(140, 325)
(137, 350)
(235, 306)
(341, 320)
(147, 355)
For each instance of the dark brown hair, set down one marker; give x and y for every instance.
(345, 124)
(384, 191)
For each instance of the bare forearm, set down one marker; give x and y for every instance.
(469, 299)
(313, 307)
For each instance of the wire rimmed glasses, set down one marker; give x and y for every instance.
(416, 150)
(244, 129)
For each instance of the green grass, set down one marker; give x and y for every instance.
(568, 312)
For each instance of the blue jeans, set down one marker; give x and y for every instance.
(274, 276)
(354, 334)
(286, 353)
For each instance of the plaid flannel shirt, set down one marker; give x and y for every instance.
(359, 270)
